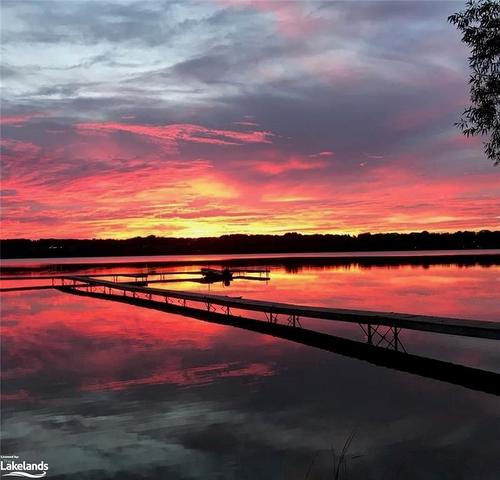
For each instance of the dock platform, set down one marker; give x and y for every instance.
(293, 313)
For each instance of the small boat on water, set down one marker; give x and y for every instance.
(214, 274)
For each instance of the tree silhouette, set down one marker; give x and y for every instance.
(479, 23)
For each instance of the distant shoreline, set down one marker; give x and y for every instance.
(289, 244)
(483, 257)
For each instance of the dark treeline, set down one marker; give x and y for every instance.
(288, 243)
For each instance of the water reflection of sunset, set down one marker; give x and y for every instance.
(107, 336)
(99, 369)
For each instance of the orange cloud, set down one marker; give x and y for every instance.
(95, 185)
(198, 199)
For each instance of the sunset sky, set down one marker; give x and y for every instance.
(125, 118)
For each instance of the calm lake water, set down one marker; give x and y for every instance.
(105, 390)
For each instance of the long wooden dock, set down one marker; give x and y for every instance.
(469, 377)
(293, 313)
(283, 320)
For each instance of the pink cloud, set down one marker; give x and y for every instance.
(246, 123)
(170, 135)
(338, 68)
(163, 201)
(458, 140)
(291, 18)
(18, 148)
(326, 153)
(275, 167)
(418, 116)
(19, 119)
(132, 188)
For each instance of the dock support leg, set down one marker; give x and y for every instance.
(272, 317)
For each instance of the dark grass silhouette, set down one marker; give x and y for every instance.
(340, 467)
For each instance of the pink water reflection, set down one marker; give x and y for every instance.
(437, 290)
(82, 375)
(107, 345)
(91, 344)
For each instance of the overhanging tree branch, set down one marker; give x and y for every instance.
(479, 23)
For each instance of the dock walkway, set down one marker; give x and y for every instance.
(293, 313)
